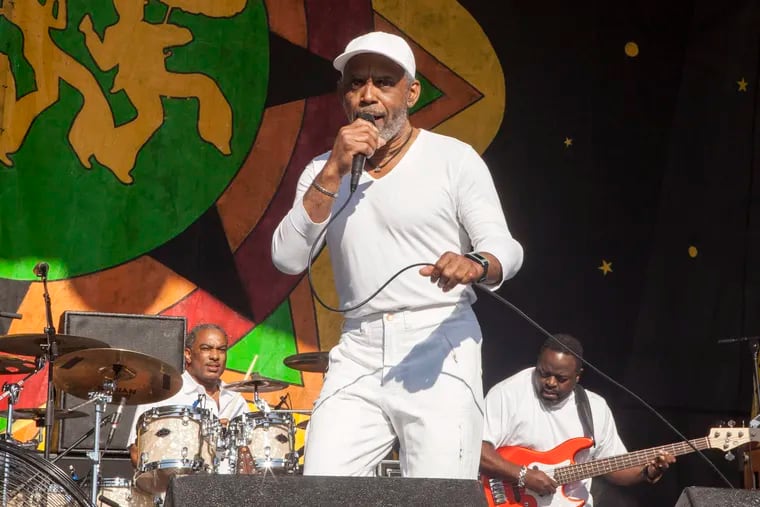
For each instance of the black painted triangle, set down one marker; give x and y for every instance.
(11, 296)
(202, 255)
(295, 73)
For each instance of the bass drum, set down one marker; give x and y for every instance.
(121, 491)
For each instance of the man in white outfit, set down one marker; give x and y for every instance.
(408, 363)
(539, 409)
(205, 361)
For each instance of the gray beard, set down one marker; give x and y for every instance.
(392, 128)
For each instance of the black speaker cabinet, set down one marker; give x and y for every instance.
(268, 490)
(718, 497)
(157, 336)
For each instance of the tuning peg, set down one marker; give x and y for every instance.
(731, 423)
(729, 456)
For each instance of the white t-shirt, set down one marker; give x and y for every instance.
(439, 197)
(516, 416)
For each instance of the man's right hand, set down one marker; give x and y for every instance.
(359, 136)
(539, 482)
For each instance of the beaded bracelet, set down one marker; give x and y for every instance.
(323, 190)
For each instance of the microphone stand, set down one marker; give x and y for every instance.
(51, 353)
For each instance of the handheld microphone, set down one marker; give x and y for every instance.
(357, 166)
(41, 269)
(115, 421)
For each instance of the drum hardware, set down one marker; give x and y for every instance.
(106, 375)
(315, 362)
(43, 349)
(12, 392)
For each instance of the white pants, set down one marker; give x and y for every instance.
(412, 375)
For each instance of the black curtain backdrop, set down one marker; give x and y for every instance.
(660, 180)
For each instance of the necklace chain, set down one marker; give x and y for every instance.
(392, 154)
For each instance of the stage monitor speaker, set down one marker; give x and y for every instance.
(158, 336)
(266, 490)
(694, 496)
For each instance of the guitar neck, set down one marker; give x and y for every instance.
(580, 471)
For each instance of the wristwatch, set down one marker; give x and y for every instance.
(480, 259)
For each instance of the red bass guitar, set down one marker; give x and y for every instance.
(559, 464)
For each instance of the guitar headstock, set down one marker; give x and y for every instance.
(245, 463)
(729, 438)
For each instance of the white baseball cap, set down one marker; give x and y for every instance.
(381, 43)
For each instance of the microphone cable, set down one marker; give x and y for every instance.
(607, 378)
(371, 296)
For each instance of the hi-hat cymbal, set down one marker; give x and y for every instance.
(256, 383)
(39, 413)
(315, 362)
(10, 365)
(32, 344)
(139, 378)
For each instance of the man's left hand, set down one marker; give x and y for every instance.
(658, 466)
(451, 270)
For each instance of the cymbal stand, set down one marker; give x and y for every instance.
(51, 352)
(101, 399)
(260, 403)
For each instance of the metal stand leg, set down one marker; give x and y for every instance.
(101, 399)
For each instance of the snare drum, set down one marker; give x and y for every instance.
(174, 440)
(119, 490)
(269, 439)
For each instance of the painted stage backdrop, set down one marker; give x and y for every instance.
(148, 149)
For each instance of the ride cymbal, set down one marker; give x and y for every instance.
(34, 344)
(139, 378)
(256, 383)
(315, 362)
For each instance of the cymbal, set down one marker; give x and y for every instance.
(39, 413)
(256, 383)
(14, 365)
(139, 378)
(31, 344)
(308, 361)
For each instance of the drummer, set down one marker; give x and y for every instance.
(205, 361)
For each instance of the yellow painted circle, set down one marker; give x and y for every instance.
(631, 49)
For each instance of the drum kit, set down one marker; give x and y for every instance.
(171, 440)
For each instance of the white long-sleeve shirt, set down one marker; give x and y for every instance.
(439, 197)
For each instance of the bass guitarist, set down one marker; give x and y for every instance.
(535, 416)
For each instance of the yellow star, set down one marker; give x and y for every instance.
(606, 267)
(568, 142)
(742, 85)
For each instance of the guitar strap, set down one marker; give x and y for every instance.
(584, 412)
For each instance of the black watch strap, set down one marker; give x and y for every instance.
(480, 259)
